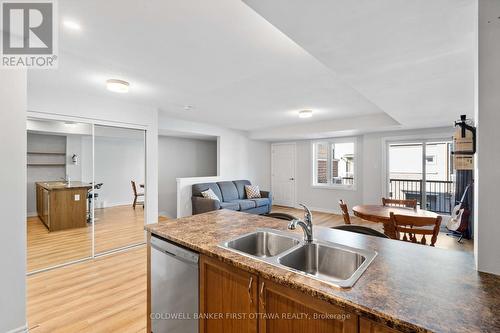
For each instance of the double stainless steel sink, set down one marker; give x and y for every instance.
(332, 263)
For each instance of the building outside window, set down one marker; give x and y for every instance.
(334, 163)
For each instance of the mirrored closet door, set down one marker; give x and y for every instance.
(59, 181)
(119, 174)
(85, 191)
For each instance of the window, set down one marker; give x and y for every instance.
(334, 163)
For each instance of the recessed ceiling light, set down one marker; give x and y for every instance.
(305, 114)
(118, 86)
(188, 107)
(72, 25)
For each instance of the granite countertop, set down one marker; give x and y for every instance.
(61, 185)
(410, 287)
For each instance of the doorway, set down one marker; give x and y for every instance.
(283, 173)
(422, 170)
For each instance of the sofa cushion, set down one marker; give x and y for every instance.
(198, 188)
(245, 204)
(261, 201)
(240, 186)
(229, 191)
(230, 205)
(210, 194)
(252, 191)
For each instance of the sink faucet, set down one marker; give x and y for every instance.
(306, 225)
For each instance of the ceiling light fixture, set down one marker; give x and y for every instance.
(305, 114)
(188, 107)
(118, 86)
(72, 25)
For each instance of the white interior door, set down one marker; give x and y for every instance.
(283, 174)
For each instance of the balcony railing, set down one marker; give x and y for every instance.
(439, 193)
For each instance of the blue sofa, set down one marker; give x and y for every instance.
(232, 196)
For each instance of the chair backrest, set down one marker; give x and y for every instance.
(359, 229)
(345, 212)
(411, 203)
(408, 227)
(134, 187)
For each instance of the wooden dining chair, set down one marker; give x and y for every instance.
(345, 212)
(408, 227)
(410, 203)
(136, 195)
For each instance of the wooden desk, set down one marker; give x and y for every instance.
(382, 214)
(61, 206)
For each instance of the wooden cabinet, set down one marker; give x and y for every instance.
(368, 326)
(235, 301)
(284, 309)
(62, 208)
(228, 298)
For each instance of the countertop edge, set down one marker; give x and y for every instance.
(379, 317)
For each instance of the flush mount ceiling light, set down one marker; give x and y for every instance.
(188, 107)
(305, 114)
(72, 25)
(118, 86)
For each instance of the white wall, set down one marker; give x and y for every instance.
(13, 200)
(239, 156)
(180, 158)
(117, 161)
(487, 226)
(43, 143)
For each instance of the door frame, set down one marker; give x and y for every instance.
(294, 145)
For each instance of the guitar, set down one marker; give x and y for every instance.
(460, 215)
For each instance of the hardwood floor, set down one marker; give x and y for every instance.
(115, 227)
(107, 294)
(331, 220)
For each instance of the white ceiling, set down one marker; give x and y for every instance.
(382, 58)
(414, 59)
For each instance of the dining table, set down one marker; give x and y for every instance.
(382, 214)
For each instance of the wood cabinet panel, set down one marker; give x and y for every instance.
(65, 211)
(228, 298)
(286, 310)
(368, 326)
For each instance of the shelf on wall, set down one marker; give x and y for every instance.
(46, 164)
(43, 153)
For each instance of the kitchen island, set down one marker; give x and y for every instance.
(407, 287)
(61, 205)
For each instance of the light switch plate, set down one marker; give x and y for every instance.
(77, 197)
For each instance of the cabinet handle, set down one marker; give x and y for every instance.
(250, 289)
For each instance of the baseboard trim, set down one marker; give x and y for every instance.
(21, 329)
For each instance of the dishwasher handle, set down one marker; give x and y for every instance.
(174, 250)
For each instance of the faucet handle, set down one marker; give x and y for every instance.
(307, 213)
(292, 225)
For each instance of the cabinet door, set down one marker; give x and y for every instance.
(287, 310)
(228, 298)
(368, 326)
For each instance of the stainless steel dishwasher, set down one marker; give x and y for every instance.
(174, 288)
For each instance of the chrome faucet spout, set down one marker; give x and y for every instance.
(306, 226)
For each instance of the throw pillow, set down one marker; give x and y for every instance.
(209, 194)
(252, 191)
